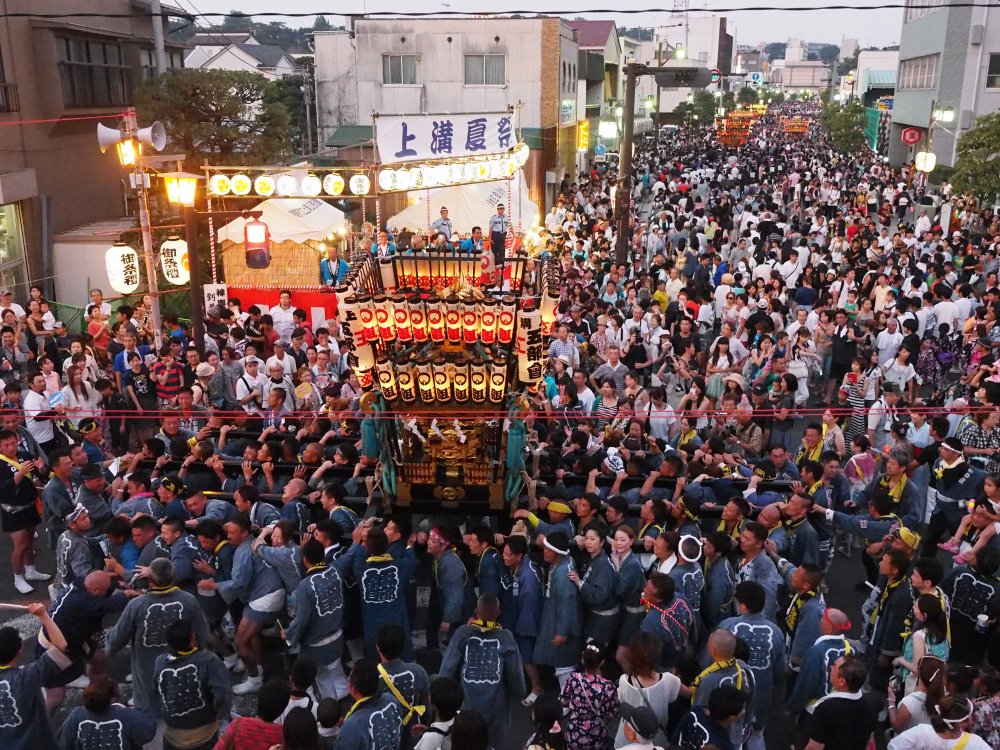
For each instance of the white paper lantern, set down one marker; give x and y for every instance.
(287, 185)
(387, 179)
(174, 261)
(360, 184)
(311, 185)
(122, 264)
(264, 186)
(333, 184)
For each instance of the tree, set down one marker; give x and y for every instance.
(846, 66)
(846, 126)
(704, 106)
(828, 53)
(775, 50)
(977, 163)
(236, 20)
(224, 116)
(747, 95)
(320, 23)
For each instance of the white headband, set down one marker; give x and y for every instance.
(680, 548)
(548, 545)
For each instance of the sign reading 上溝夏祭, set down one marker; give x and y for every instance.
(427, 137)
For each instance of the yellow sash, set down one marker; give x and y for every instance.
(410, 710)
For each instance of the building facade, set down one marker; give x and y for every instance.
(214, 50)
(949, 56)
(402, 66)
(53, 176)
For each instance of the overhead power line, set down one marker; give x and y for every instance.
(531, 12)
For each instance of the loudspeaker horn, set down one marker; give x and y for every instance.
(155, 135)
(108, 137)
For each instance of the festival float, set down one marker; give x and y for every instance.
(448, 354)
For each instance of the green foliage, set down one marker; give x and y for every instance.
(288, 92)
(977, 166)
(224, 116)
(846, 66)
(729, 100)
(321, 24)
(775, 50)
(828, 53)
(778, 97)
(846, 126)
(639, 33)
(236, 20)
(747, 95)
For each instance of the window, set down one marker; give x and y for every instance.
(93, 73)
(918, 73)
(993, 73)
(399, 70)
(917, 8)
(485, 70)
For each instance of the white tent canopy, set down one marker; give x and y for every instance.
(295, 219)
(469, 205)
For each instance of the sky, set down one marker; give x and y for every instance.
(878, 27)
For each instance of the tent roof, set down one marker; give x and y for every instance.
(468, 206)
(295, 219)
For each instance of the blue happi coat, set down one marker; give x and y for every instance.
(562, 615)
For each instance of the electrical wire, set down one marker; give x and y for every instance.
(40, 121)
(530, 13)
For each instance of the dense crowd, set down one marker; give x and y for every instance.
(796, 362)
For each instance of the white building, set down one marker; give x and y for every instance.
(948, 56)
(706, 39)
(455, 65)
(238, 51)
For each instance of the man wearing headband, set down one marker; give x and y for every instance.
(559, 519)
(953, 481)
(77, 554)
(451, 589)
(91, 496)
(561, 628)
(689, 578)
(813, 681)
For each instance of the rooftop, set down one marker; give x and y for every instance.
(592, 34)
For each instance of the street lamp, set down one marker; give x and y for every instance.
(182, 190)
(649, 102)
(128, 144)
(679, 52)
(943, 112)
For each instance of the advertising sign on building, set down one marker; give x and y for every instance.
(402, 138)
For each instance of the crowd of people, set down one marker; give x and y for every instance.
(793, 370)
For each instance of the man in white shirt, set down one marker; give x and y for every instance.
(38, 414)
(281, 314)
(282, 359)
(96, 298)
(250, 385)
(888, 341)
(7, 303)
(583, 392)
(945, 311)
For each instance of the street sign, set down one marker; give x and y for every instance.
(912, 136)
(756, 78)
(600, 149)
(716, 75)
(582, 135)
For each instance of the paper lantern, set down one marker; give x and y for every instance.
(219, 185)
(351, 325)
(425, 381)
(366, 311)
(418, 318)
(453, 319)
(387, 179)
(387, 379)
(311, 185)
(435, 318)
(498, 380)
(240, 184)
(478, 381)
(460, 379)
(488, 320)
(333, 184)
(401, 317)
(505, 322)
(174, 261)
(442, 383)
(360, 184)
(363, 362)
(287, 185)
(122, 264)
(548, 309)
(384, 319)
(470, 322)
(387, 272)
(405, 381)
(264, 186)
(530, 347)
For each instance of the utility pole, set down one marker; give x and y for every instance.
(194, 263)
(159, 50)
(140, 181)
(623, 200)
(307, 98)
